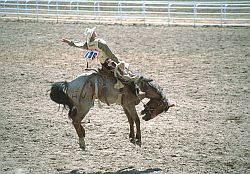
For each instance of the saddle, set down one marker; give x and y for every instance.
(108, 71)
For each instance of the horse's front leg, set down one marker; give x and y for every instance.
(131, 127)
(131, 111)
(138, 130)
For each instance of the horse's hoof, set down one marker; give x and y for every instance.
(82, 144)
(132, 140)
(83, 147)
(138, 143)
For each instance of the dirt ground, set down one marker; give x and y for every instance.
(205, 70)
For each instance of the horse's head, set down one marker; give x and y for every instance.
(158, 102)
(155, 107)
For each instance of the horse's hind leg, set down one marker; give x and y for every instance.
(81, 134)
(77, 123)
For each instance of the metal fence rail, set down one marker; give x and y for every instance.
(217, 13)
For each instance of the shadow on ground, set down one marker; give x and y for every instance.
(122, 171)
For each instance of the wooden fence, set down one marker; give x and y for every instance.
(195, 13)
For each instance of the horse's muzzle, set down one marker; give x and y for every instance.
(146, 114)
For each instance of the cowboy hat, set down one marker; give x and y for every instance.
(88, 33)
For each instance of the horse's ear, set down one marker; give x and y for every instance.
(172, 105)
(169, 105)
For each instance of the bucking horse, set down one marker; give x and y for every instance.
(79, 95)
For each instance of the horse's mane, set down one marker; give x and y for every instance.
(155, 87)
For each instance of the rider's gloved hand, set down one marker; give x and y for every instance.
(111, 63)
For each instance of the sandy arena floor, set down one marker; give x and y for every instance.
(205, 70)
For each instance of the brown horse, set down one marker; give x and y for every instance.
(79, 95)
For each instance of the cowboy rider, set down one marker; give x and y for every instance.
(97, 48)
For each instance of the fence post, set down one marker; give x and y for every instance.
(70, 6)
(57, 11)
(17, 6)
(169, 16)
(144, 12)
(120, 11)
(36, 10)
(221, 16)
(195, 13)
(225, 12)
(4, 5)
(77, 8)
(48, 5)
(26, 7)
(96, 10)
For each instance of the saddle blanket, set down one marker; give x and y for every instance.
(90, 54)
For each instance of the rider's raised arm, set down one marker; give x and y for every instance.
(104, 47)
(78, 44)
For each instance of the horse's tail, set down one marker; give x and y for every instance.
(58, 94)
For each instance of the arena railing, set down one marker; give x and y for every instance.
(196, 13)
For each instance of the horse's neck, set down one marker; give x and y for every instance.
(151, 89)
